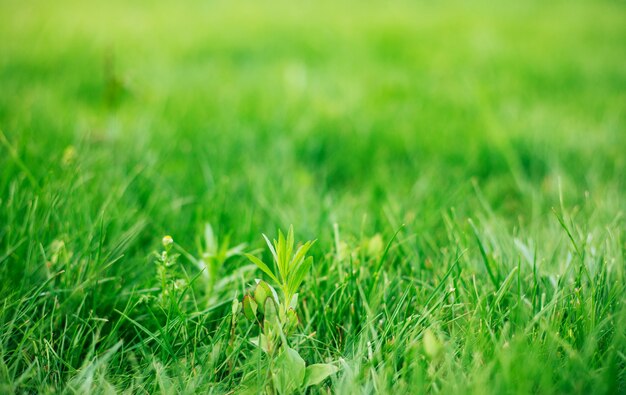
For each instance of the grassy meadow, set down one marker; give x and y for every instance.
(461, 167)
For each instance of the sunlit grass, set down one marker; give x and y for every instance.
(461, 167)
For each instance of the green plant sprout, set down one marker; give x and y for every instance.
(277, 317)
(168, 282)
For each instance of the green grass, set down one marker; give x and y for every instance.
(483, 145)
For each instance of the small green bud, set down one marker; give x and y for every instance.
(167, 241)
(271, 314)
(261, 293)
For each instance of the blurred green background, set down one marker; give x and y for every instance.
(259, 114)
(122, 121)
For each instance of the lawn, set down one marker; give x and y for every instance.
(460, 166)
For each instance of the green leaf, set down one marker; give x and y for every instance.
(289, 247)
(299, 274)
(270, 311)
(249, 308)
(288, 371)
(282, 259)
(274, 293)
(236, 306)
(262, 266)
(273, 251)
(300, 253)
(316, 373)
(294, 302)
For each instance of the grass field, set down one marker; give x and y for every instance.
(462, 168)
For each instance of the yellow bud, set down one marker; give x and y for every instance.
(167, 241)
